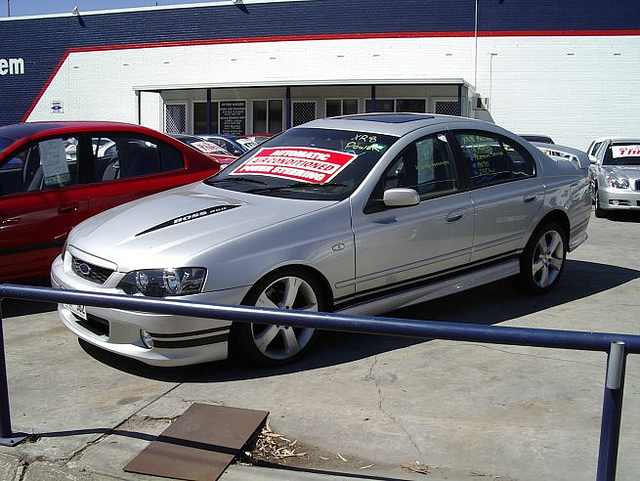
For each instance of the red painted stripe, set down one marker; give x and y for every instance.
(559, 33)
(306, 38)
(54, 72)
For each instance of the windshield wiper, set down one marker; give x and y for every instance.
(297, 185)
(237, 180)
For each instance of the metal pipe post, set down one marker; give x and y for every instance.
(5, 414)
(611, 412)
(7, 437)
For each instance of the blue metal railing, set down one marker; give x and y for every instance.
(617, 346)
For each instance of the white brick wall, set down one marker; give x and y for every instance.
(571, 88)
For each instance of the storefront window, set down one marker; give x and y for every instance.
(267, 116)
(275, 116)
(411, 105)
(200, 118)
(381, 105)
(335, 107)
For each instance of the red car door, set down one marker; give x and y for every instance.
(40, 203)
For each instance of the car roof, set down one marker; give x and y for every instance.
(27, 129)
(395, 124)
(216, 136)
(620, 140)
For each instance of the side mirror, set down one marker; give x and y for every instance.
(400, 197)
(592, 159)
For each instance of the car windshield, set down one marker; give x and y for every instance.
(4, 143)
(306, 163)
(623, 154)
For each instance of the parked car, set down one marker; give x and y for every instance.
(208, 148)
(358, 214)
(560, 153)
(56, 174)
(594, 146)
(543, 139)
(256, 138)
(615, 176)
(235, 145)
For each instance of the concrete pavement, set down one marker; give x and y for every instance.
(358, 406)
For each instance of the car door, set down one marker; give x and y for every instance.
(39, 206)
(127, 166)
(398, 246)
(505, 192)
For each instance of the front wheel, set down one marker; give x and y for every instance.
(598, 211)
(274, 345)
(543, 259)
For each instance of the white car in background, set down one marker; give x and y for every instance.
(615, 176)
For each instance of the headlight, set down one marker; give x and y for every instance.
(164, 282)
(616, 181)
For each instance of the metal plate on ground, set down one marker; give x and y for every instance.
(200, 445)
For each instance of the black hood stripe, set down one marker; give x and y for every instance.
(191, 216)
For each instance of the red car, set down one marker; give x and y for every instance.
(55, 174)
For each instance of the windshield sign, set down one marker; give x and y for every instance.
(294, 163)
(620, 151)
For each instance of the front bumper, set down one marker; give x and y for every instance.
(155, 339)
(618, 199)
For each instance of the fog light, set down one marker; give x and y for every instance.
(146, 338)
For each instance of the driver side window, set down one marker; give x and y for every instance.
(426, 166)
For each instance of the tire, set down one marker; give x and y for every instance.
(597, 210)
(543, 259)
(272, 345)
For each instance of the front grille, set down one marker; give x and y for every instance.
(637, 185)
(89, 271)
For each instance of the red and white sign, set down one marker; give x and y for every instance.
(303, 164)
(625, 151)
(207, 147)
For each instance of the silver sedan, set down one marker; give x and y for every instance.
(615, 176)
(358, 214)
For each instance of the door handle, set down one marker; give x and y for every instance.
(530, 198)
(455, 217)
(69, 208)
(11, 221)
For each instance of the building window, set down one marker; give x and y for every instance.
(267, 116)
(304, 111)
(381, 105)
(335, 107)
(411, 105)
(200, 118)
(446, 107)
(175, 118)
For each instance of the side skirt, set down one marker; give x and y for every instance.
(434, 290)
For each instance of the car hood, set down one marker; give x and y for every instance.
(178, 225)
(632, 171)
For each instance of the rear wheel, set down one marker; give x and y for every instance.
(543, 259)
(273, 345)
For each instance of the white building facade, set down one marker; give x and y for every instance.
(553, 68)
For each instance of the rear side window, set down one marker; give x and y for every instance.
(493, 159)
(170, 157)
(125, 156)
